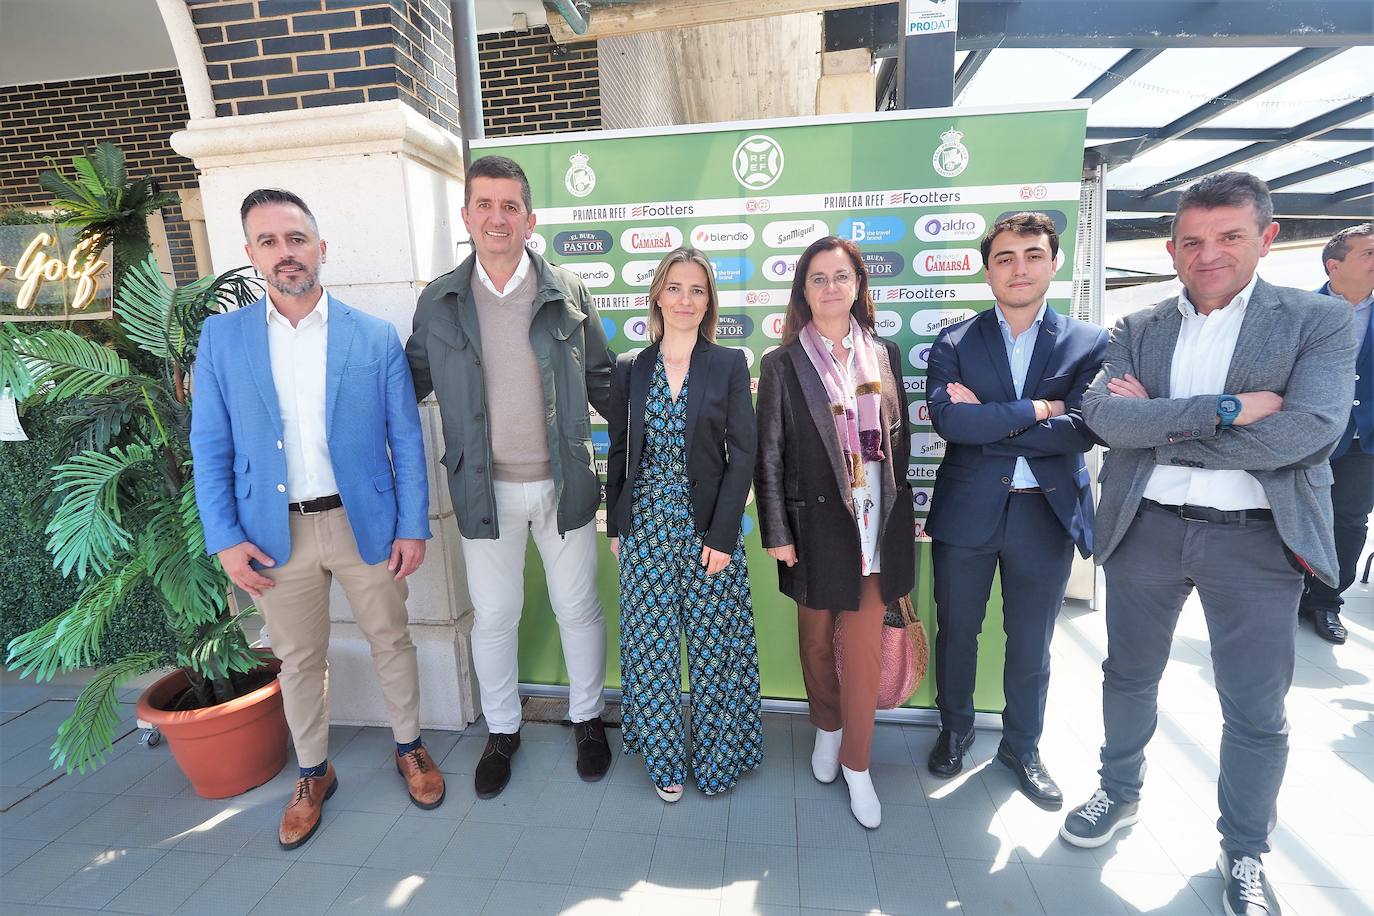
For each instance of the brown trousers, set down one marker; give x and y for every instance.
(849, 705)
(296, 611)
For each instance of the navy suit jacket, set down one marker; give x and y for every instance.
(984, 440)
(1362, 413)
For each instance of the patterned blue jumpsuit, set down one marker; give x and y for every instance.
(664, 591)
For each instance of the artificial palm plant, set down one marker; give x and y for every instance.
(125, 509)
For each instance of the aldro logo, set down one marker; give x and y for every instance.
(758, 162)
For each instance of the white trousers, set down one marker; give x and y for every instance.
(496, 583)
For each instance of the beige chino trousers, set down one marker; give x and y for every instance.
(296, 610)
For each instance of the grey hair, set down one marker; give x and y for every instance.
(1339, 245)
(1228, 189)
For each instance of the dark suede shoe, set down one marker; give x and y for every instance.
(493, 770)
(593, 750)
(1035, 780)
(1329, 627)
(947, 757)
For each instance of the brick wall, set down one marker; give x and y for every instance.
(137, 112)
(532, 85)
(280, 55)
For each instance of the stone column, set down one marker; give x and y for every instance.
(386, 185)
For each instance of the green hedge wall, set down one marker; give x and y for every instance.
(31, 591)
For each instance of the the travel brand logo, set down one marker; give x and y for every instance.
(950, 262)
(651, 238)
(757, 162)
(950, 227)
(582, 242)
(723, 236)
(930, 322)
(793, 233)
(732, 269)
(872, 230)
(595, 274)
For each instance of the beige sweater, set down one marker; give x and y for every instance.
(515, 392)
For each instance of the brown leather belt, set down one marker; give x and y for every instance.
(316, 506)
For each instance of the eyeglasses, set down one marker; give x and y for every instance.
(821, 281)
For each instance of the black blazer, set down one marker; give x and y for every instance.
(801, 484)
(720, 439)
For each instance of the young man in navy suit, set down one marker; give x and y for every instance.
(1349, 261)
(1004, 389)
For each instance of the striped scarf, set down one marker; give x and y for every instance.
(861, 436)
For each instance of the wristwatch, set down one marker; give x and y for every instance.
(1228, 408)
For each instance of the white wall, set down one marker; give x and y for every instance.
(43, 41)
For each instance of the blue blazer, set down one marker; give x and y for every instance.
(372, 425)
(984, 440)
(1362, 413)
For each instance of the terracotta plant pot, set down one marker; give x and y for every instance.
(227, 749)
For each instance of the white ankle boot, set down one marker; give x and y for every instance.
(825, 758)
(863, 800)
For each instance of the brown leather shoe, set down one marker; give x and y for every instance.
(301, 818)
(424, 782)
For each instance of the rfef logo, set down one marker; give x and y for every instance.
(882, 265)
(582, 242)
(638, 273)
(651, 238)
(732, 269)
(951, 262)
(757, 162)
(723, 236)
(734, 327)
(780, 267)
(793, 233)
(872, 230)
(594, 273)
(950, 227)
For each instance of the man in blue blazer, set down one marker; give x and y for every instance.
(309, 466)
(1004, 389)
(1349, 261)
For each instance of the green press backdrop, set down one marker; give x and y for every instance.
(914, 190)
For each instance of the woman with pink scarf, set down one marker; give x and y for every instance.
(833, 502)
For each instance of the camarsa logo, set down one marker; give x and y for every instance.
(651, 238)
(951, 262)
(580, 180)
(758, 162)
(951, 156)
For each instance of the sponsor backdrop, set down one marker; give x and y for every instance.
(915, 190)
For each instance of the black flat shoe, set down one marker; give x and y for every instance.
(593, 750)
(493, 769)
(947, 757)
(1035, 780)
(1329, 627)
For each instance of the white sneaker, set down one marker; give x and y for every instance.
(863, 800)
(825, 758)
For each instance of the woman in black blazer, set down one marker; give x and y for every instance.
(677, 478)
(833, 502)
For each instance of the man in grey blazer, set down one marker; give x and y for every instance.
(1220, 406)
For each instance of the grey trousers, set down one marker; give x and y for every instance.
(1249, 593)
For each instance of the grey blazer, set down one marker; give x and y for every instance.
(1292, 342)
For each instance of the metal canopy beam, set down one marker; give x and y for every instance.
(1310, 128)
(1287, 205)
(1362, 157)
(968, 70)
(1124, 151)
(1339, 135)
(1359, 192)
(1163, 24)
(1118, 73)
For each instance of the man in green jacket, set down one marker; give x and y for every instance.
(513, 349)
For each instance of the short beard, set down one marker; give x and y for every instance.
(305, 284)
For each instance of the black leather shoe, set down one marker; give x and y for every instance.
(1035, 780)
(493, 770)
(593, 750)
(947, 757)
(1329, 627)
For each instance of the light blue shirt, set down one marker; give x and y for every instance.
(1019, 352)
(1362, 315)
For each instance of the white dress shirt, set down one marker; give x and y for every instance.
(867, 499)
(1202, 358)
(521, 269)
(298, 368)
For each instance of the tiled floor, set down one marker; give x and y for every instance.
(131, 838)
